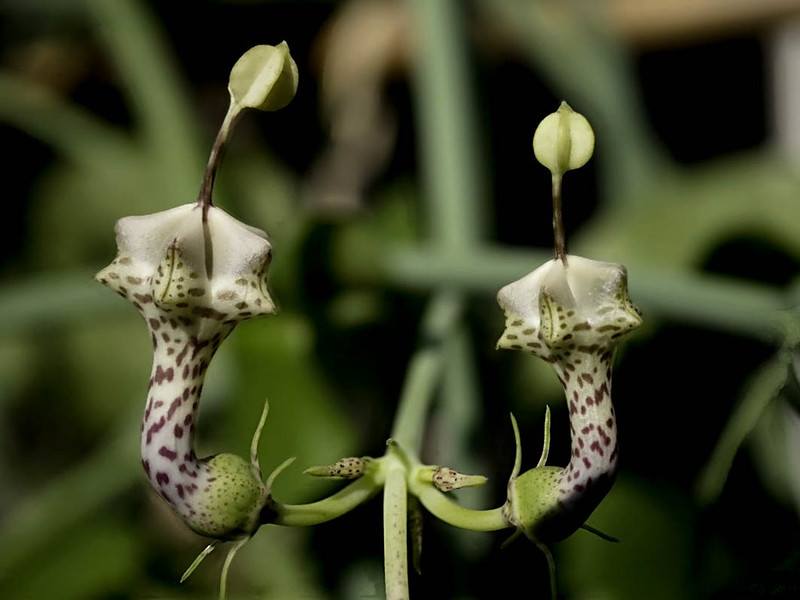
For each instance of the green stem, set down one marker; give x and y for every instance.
(451, 169)
(395, 535)
(453, 513)
(205, 196)
(424, 370)
(559, 240)
(327, 509)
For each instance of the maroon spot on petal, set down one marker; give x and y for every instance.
(155, 428)
(167, 453)
(589, 400)
(598, 396)
(182, 355)
(179, 487)
(146, 465)
(178, 431)
(580, 442)
(578, 487)
(154, 324)
(595, 446)
(173, 407)
(583, 410)
(587, 463)
(610, 423)
(187, 420)
(162, 478)
(587, 378)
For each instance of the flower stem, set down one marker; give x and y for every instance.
(395, 534)
(453, 513)
(425, 369)
(205, 196)
(327, 509)
(559, 241)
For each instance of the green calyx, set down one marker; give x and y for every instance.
(532, 503)
(230, 507)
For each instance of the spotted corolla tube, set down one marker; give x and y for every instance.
(570, 313)
(192, 279)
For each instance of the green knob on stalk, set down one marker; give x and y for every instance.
(563, 141)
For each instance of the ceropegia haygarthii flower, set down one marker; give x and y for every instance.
(570, 312)
(572, 316)
(192, 281)
(194, 272)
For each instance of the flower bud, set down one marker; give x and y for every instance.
(265, 77)
(344, 468)
(446, 479)
(563, 141)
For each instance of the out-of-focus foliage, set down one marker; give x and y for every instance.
(107, 107)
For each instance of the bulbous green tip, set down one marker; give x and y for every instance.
(265, 77)
(228, 507)
(563, 141)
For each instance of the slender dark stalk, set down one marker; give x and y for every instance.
(559, 242)
(205, 196)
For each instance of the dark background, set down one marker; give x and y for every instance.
(716, 195)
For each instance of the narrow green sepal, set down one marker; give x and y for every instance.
(254, 460)
(518, 448)
(511, 539)
(196, 562)
(223, 576)
(601, 534)
(546, 444)
(277, 471)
